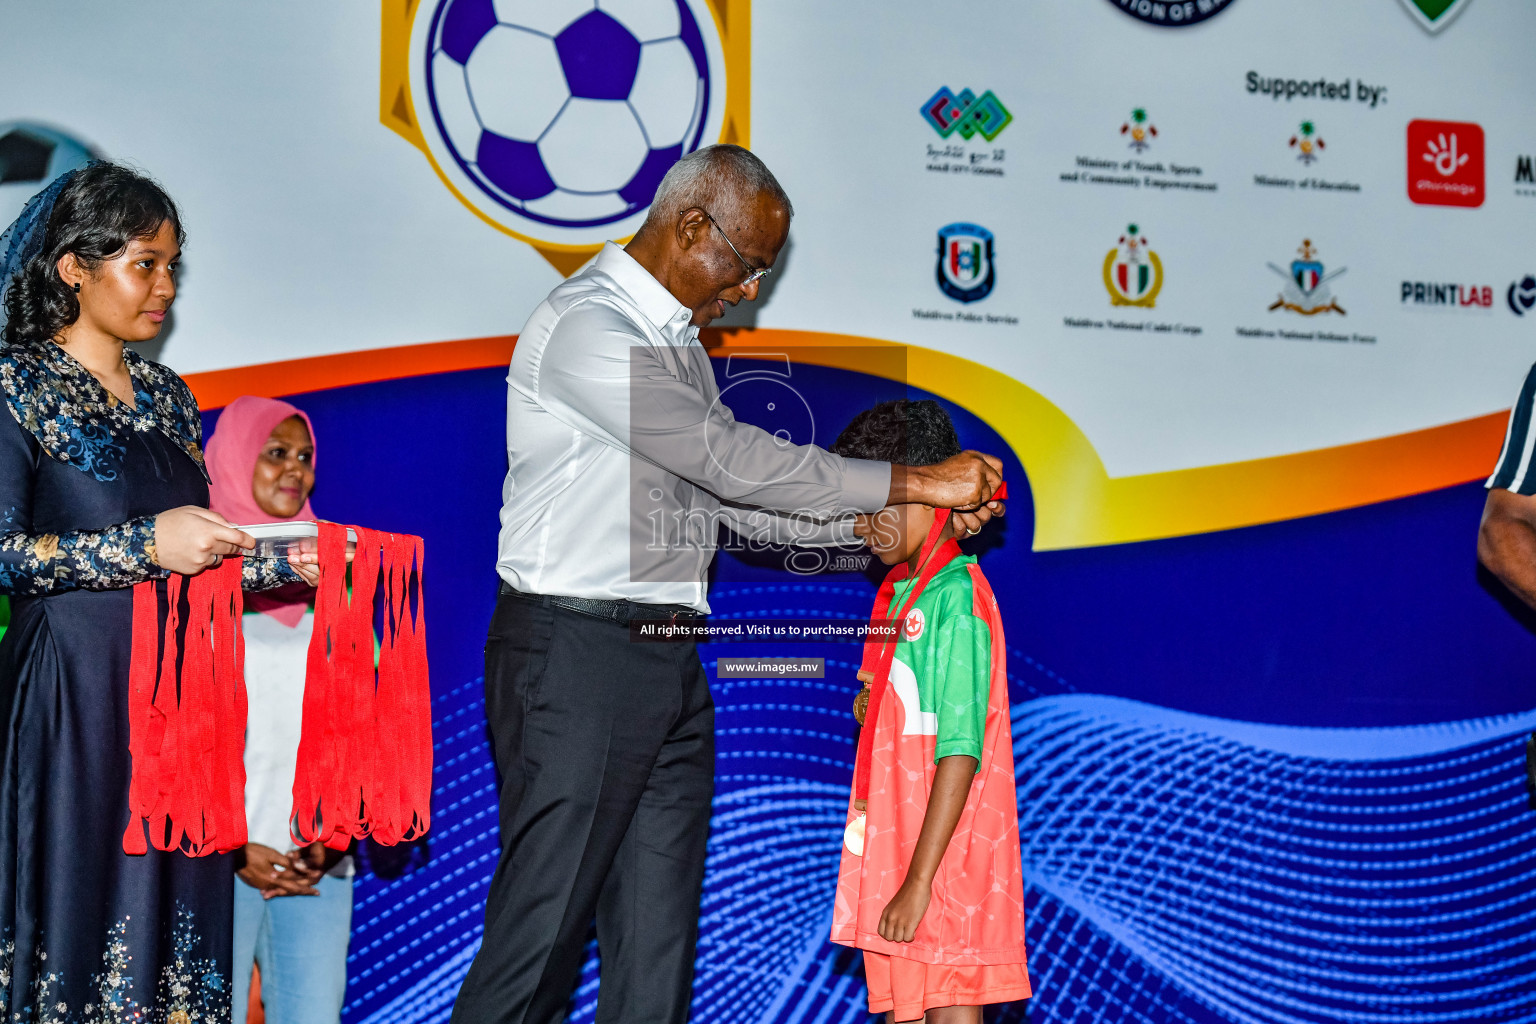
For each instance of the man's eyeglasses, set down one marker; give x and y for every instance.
(753, 273)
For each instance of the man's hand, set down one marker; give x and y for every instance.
(277, 874)
(964, 481)
(1506, 541)
(905, 911)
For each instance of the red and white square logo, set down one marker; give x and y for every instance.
(1445, 163)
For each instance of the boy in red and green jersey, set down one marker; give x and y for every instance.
(930, 885)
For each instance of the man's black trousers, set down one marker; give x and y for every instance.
(605, 750)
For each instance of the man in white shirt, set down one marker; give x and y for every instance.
(622, 463)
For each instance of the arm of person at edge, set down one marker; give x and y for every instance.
(952, 780)
(598, 378)
(1506, 541)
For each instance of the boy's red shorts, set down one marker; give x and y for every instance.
(910, 987)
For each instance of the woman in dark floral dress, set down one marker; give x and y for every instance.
(102, 486)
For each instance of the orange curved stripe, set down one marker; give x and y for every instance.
(1077, 504)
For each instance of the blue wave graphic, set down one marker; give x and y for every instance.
(1181, 867)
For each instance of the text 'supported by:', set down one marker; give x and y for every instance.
(725, 631)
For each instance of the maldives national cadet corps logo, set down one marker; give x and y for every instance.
(1306, 288)
(965, 272)
(1133, 273)
(555, 122)
(1307, 143)
(966, 113)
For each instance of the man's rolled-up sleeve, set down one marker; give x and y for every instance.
(599, 377)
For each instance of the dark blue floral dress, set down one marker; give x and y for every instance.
(88, 934)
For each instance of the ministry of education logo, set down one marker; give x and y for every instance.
(966, 114)
(1307, 143)
(1434, 15)
(1133, 273)
(1306, 288)
(965, 272)
(1172, 13)
(555, 123)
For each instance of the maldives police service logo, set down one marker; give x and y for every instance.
(1133, 273)
(1174, 13)
(555, 121)
(965, 272)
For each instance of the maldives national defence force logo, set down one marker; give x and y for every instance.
(556, 122)
(965, 271)
(1133, 273)
(1306, 289)
(966, 114)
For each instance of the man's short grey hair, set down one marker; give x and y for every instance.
(722, 179)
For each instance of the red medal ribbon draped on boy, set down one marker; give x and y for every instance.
(878, 654)
(365, 749)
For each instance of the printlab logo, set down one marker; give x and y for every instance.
(1306, 288)
(965, 272)
(1434, 15)
(1174, 14)
(1522, 295)
(1307, 143)
(1473, 297)
(1133, 273)
(1139, 130)
(966, 113)
(1445, 163)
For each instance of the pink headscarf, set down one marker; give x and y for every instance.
(231, 454)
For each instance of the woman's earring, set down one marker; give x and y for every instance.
(77, 287)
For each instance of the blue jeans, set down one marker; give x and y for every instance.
(301, 944)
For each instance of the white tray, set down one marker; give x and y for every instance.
(275, 540)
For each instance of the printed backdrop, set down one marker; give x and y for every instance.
(1240, 290)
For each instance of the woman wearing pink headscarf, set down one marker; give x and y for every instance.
(293, 907)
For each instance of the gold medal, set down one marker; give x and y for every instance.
(853, 836)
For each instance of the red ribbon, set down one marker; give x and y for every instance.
(365, 749)
(186, 728)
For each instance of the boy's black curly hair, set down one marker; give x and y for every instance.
(911, 433)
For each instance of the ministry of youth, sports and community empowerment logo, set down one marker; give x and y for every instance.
(1133, 273)
(965, 272)
(555, 122)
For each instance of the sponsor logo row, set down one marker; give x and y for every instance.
(1133, 276)
(1445, 159)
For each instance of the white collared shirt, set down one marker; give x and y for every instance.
(620, 453)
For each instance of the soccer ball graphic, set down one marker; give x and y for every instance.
(31, 156)
(566, 113)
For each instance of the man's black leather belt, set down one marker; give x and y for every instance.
(620, 611)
